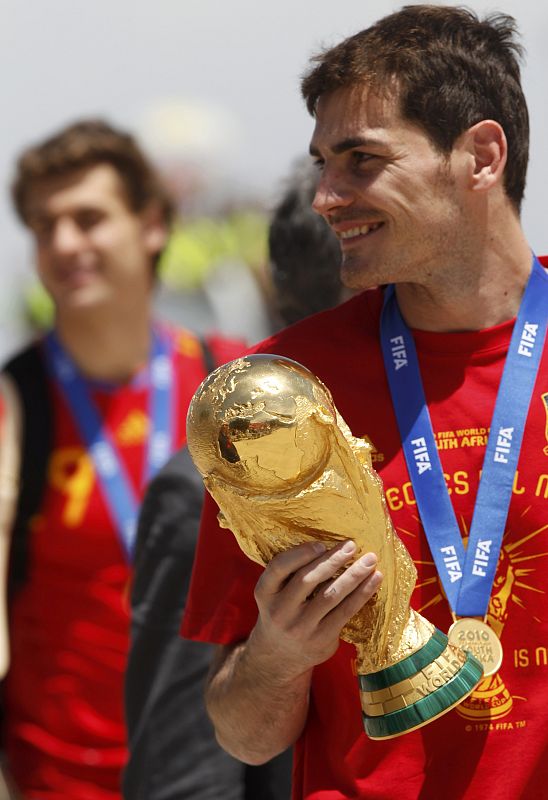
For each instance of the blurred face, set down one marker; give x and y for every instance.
(397, 206)
(92, 250)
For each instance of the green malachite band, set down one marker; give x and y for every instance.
(406, 668)
(428, 707)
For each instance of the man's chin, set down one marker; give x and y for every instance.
(357, 276)
(80, 299)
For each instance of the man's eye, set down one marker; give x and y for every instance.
(88, 219)
(41, 229)
(319, 164)
(361, 158)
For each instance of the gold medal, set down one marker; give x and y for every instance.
(480, 640)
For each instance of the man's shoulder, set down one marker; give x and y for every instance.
(212, 348)
(26, 371)
(28, 358)
(340, 326)
(225, 348)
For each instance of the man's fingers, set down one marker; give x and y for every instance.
(351, 603)
(286, 564)
(305, 572)
(305, 597)
(355, 574)
(317, 579)
(362, 575)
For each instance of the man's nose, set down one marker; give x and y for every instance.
(332, 193)
(67, 237)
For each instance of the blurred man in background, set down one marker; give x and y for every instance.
(97, 406)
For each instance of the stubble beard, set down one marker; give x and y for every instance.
(356, 275)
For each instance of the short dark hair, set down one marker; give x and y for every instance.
(450, 70)
(86, 143)
(305, 255)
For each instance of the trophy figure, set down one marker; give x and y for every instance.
(284, 468)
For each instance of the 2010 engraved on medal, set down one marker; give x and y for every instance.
(480, 640)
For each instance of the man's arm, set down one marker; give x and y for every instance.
(10, 447)
(257, 693)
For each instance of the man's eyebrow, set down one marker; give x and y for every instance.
(347, 144)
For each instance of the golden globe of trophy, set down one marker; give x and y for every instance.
(284, 468)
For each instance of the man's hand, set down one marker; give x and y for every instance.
(305, 597)
(258, 691)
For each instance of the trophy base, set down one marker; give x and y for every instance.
(418, 689)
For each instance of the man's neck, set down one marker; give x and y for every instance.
(470, 297)
(106, 347)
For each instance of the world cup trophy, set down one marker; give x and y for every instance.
(284, 468)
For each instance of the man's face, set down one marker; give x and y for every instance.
(92, 250)
(397, 206)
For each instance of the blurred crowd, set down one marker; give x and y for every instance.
(134, 299)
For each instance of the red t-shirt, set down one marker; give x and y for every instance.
(64, 730)
(493, 746)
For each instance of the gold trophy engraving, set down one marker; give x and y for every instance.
(284, 468)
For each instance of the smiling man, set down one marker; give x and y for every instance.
(421, 140)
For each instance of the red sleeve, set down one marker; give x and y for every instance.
(221, 607)
(224, 349)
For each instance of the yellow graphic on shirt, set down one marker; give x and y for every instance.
(71, 472)
(376, 456)
(477, 437)
(188, 345)
(462, 437)
(491, 699)
(134, 428)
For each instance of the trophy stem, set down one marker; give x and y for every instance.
(417, 689)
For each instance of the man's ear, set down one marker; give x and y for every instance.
(486, 143)
(155, 228)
